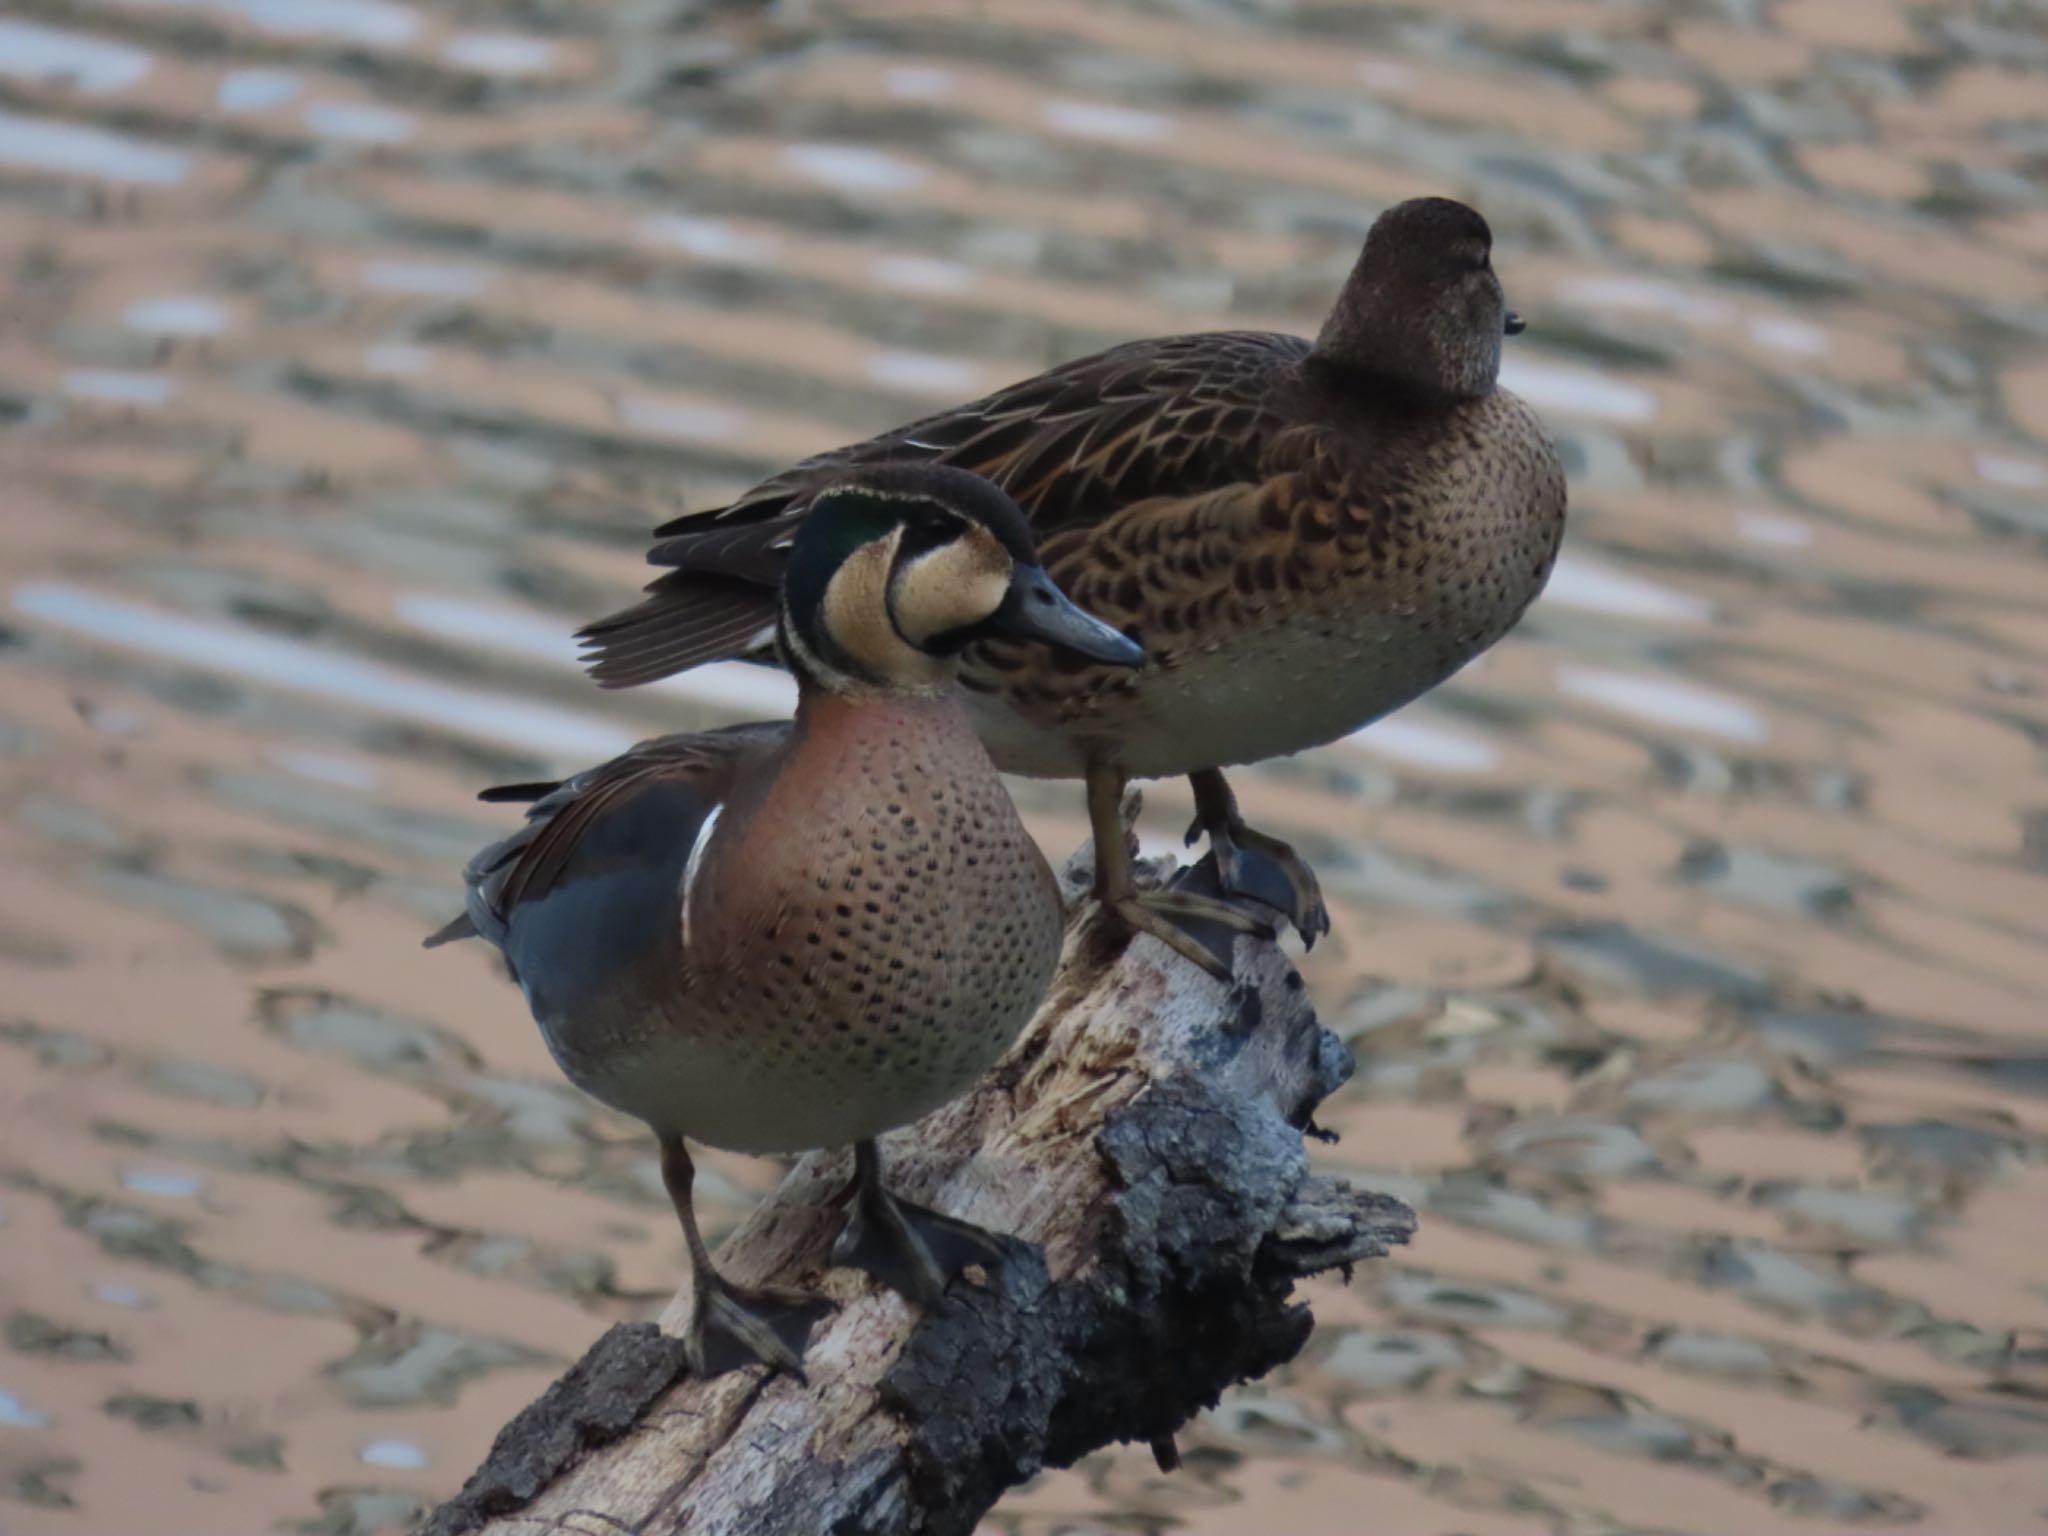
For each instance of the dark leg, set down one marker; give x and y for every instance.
(911, 1250)
(1159, 913)
(1250, 863)
(730, 1327)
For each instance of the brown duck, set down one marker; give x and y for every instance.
(1303, 535)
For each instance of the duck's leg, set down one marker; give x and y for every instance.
(911, 1249)
(730, 1327)
(1251, 863)
(1160, 913)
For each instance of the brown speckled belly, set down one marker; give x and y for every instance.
(886, 928)
(1265, 643)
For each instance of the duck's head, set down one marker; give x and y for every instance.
(1423, 304)
(898, 567)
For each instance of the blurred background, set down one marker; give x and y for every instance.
(1691, 942)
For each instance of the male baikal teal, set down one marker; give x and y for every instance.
(802, 934)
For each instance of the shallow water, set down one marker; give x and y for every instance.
(1692, 942)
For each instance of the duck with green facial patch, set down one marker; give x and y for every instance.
(784, 936)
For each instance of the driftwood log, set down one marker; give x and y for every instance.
(1145, 1139)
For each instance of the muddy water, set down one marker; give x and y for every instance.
(1692, 943)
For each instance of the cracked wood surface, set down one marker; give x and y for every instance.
(1144, 1140)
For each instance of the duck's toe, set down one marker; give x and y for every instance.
(1269, 870)
(730, 1328)
(1200, 927)
(1254, 866)
(912, 1249)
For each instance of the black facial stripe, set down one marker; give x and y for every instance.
(924, 533)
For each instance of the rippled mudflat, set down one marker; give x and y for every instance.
(1692, 942)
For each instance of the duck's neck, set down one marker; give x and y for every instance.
(933, 723)
(841, 695)
(1373, 332)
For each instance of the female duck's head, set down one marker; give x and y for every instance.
(1423, 306)
(897, 568)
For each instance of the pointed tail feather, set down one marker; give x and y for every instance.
(460, 928)
(685, 621)
(518, 794)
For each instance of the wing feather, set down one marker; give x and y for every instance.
(562, 837)
(1162, 419)
(684, 621)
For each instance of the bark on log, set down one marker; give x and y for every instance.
(1145, 1139)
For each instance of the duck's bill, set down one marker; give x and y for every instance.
(1038, 610)
(1516, 324)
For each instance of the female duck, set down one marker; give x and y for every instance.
(1304, 536)
(783, 936)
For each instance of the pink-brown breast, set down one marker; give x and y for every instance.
(884, 928)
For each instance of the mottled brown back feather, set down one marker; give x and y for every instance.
(1170, 417)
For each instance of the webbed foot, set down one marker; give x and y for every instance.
(1253, 864)
(910, 1248)
(730, 1328)
(1176, 918)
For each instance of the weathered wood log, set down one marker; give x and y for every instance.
(1145, 1138)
